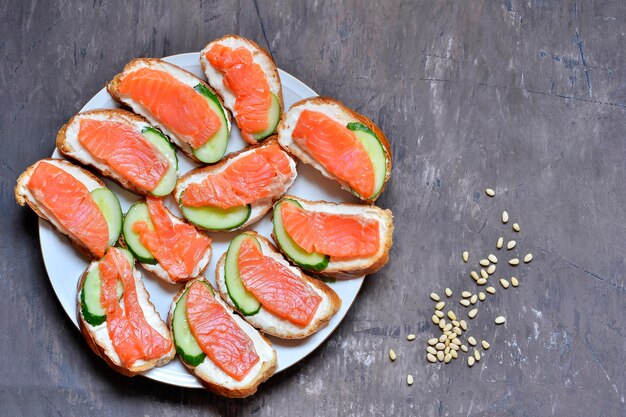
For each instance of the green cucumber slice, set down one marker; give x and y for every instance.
(110, 207)
(213, 150)
(186, 345)
(243, 299)
(137, 212)
(215, 218)
(273, 118)
(376, 152)
(314, 261)
(159, 141)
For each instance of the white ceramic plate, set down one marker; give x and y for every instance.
(64, 264)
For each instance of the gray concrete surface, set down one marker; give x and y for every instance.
(526, 97)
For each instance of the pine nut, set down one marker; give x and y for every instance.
(472, 313)
(485, 344)
(440, 356)
(466, 294)
(447, 327)
(465, 256)
(505, 216)
(504, 283)
(435, 319)
(439, 313)
(516, 227)
(409, 379)
(456, 341)
(483, 262)
(464, 348)
(470, 361)
(455, 323)
(447, 358)
(528, 258)
(463, 324)
(440, 305)
(392, 355)
(511, 244)
(434, 296)
(490, 192)
(514, 261)
(481, 296)
(484, 274)
(431, 358)
(491, 290)
(442, 323)
(410, 337)
(514, 282)
(492, 258)
(442, 338)
(476, 355)
(457, 331)
(433, 341)
(451, 315)
(499, 243)
(474, 275)
(474, 299)
(454, 352)
(471, 340)
(448, 292)
(440, 346)
(431, 350)
(500, 320)
(491, 269)
(465, 302)
(481, 281)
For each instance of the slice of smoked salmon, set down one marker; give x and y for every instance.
(255, 175)
(178, 247)
(276, 287)
(132, 336)
(248, 83)
(174, 104)
(68, 200)
(337, 149)
(336, 235)
(125, 150)
(219, 337)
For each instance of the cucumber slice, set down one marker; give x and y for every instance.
(137, 212)
(242, 298)
(186, 345)
(215, 218)
(159, 141)
(376, 152)
(213, 150)
(314, 261)
(273, 118)
(91, 307)
(110, 207)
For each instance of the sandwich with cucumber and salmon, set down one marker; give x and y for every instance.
(73, 201)
(272, 295)
(117, 319)
(239, 190)
(340, 143)
(228, 355)
(122, 146)
(164, 244)
(183, 106)
(246, 78)
(330, 239)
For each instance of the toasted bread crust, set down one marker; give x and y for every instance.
(262, 51)
(98, 350)
(113, 89)
(262, 208)
(304, 156)
(22, 200)
(335, 300)
(267, 370)
(367, 266)
(67, 151)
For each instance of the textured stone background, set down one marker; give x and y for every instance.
(526, 97)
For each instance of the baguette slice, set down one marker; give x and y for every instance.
(341, 114)
(23, 196)
(70, 146)
(268, 322)
(216, 380)
(98, 339)
(181, 75)
(352, 267)
(259, 207)
(260, 57)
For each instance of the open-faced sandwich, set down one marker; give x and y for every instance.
(274, 296)
(183, 106)
(340, 143)
(330, 239)
(246, 77)
(122, 146)
(229, 356)
(73, 201)
(117, 318)
(172, 249)
(239, 190)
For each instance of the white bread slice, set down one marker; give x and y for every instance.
(356, 267)
(69, 145)
(24, 196)
(259, 207)
(98, 339)
(216, 380)
(271, 324)
(259, 56)
(341, 114)
(180, 74)
(161, 273)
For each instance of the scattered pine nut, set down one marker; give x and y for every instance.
(511, 244)
(447, 358)
(463, 324)
(514, 261)
(448, 292)
(442, 338)
(481, 296)
(470, 361)
(484, 274)
(454, 353)
(431, 358)
(456, 341)
(440, 356)
(483, 262)
(481, 281)
(474, 299)
(485, 344)
(451, 315)
(474, 275)
(455, 323)
(433, 341)
(457, 331)
(435, 319)
(409, 379)
(440, 305)
(514, 282)
(490, 192)
(439, 313)
(500, 320)
(516, 227)
(434, 296)
(440, 346)
(466, 294)
(476, 354)
(447, 327)
(491, 290)
(465, 302)
(465, 256)
(431, 350)
(505, 216)
(492, 258)
(442, 323)
(392, 355)
(528, 258)
(464, 348)
(499, 243)
(410, 337)
(491, 269)
(471, 340)
(472, 313)
(504, 283)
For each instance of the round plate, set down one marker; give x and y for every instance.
(64, 264)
